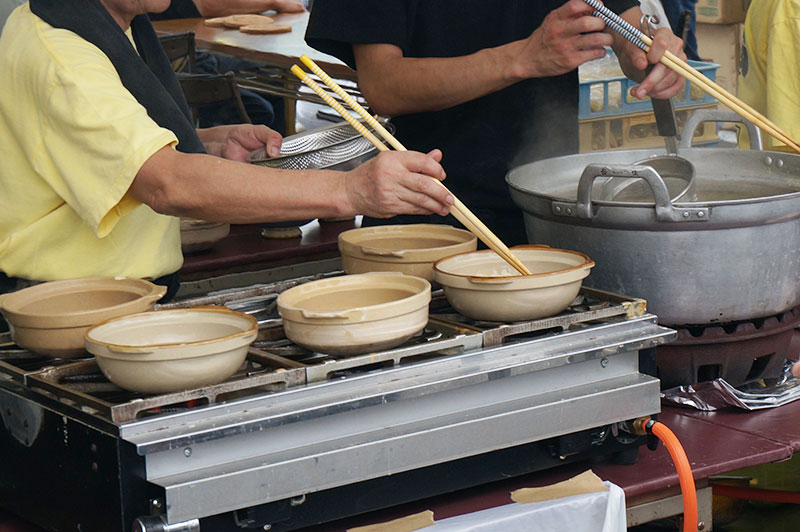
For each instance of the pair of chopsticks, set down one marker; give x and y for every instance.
(459, 210)
(673, 62)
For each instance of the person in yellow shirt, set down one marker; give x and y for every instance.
(769, 79)
(100, 158)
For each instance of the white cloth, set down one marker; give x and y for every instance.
(654, 7)
(602, 511)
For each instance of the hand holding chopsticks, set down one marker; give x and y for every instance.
(676, 64)
(459, 210)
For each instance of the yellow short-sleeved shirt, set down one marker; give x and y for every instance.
(770, 71)
(72, 139)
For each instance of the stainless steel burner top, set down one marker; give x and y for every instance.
(292, 424)
(275, 363)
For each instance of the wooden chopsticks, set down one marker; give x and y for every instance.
(459, 210)
(678, 65)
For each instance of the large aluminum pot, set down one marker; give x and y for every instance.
(732, 254)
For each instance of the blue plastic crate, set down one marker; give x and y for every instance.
(628, 105)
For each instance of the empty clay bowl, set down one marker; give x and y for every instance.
(199, 235)
(483, 286)
(172, 350)
(410, 249)
(355, 314)
(51, 318)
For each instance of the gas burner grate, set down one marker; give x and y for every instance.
(439, 338)
(83, 384)
(274, 363)
(591, 306)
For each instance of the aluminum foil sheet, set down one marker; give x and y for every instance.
(717, 394)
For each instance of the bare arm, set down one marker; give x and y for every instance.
(396, 85)
(221, 8)
(569, 36)
(215, 189)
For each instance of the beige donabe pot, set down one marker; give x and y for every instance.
(410, 249)
(51, 318)
(355, 314)
(199, 235)
(172, 350)
(483, 286)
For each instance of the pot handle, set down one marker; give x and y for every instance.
(493, 280)
(350, 314)
(383, 252)
(719, 115)
(665, 210)
(157, 291)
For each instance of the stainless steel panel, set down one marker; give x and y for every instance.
(334, 433)
(355, 446)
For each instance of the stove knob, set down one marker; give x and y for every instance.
(158, 524)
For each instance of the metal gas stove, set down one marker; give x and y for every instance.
(297, 438)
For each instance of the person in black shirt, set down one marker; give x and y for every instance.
(493, 84)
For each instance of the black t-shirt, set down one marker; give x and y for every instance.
(482, 139)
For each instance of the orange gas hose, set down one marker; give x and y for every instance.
(688, 493)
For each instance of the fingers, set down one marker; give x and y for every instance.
(417, 189)
(568, 37)
(264, 136)
(661, 82)
(573, 9)
(436, 155)
(399, 183)
(796, 370)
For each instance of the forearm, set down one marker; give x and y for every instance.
(395, 85)
(215, 189)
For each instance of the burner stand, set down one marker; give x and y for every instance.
(739, 352)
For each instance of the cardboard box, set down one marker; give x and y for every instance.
(721, 11)
(722, 44)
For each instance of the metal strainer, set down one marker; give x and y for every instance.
(334, 147)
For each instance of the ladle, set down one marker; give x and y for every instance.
(677, 172)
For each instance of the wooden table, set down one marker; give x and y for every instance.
(245, 250)
(281, 50)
